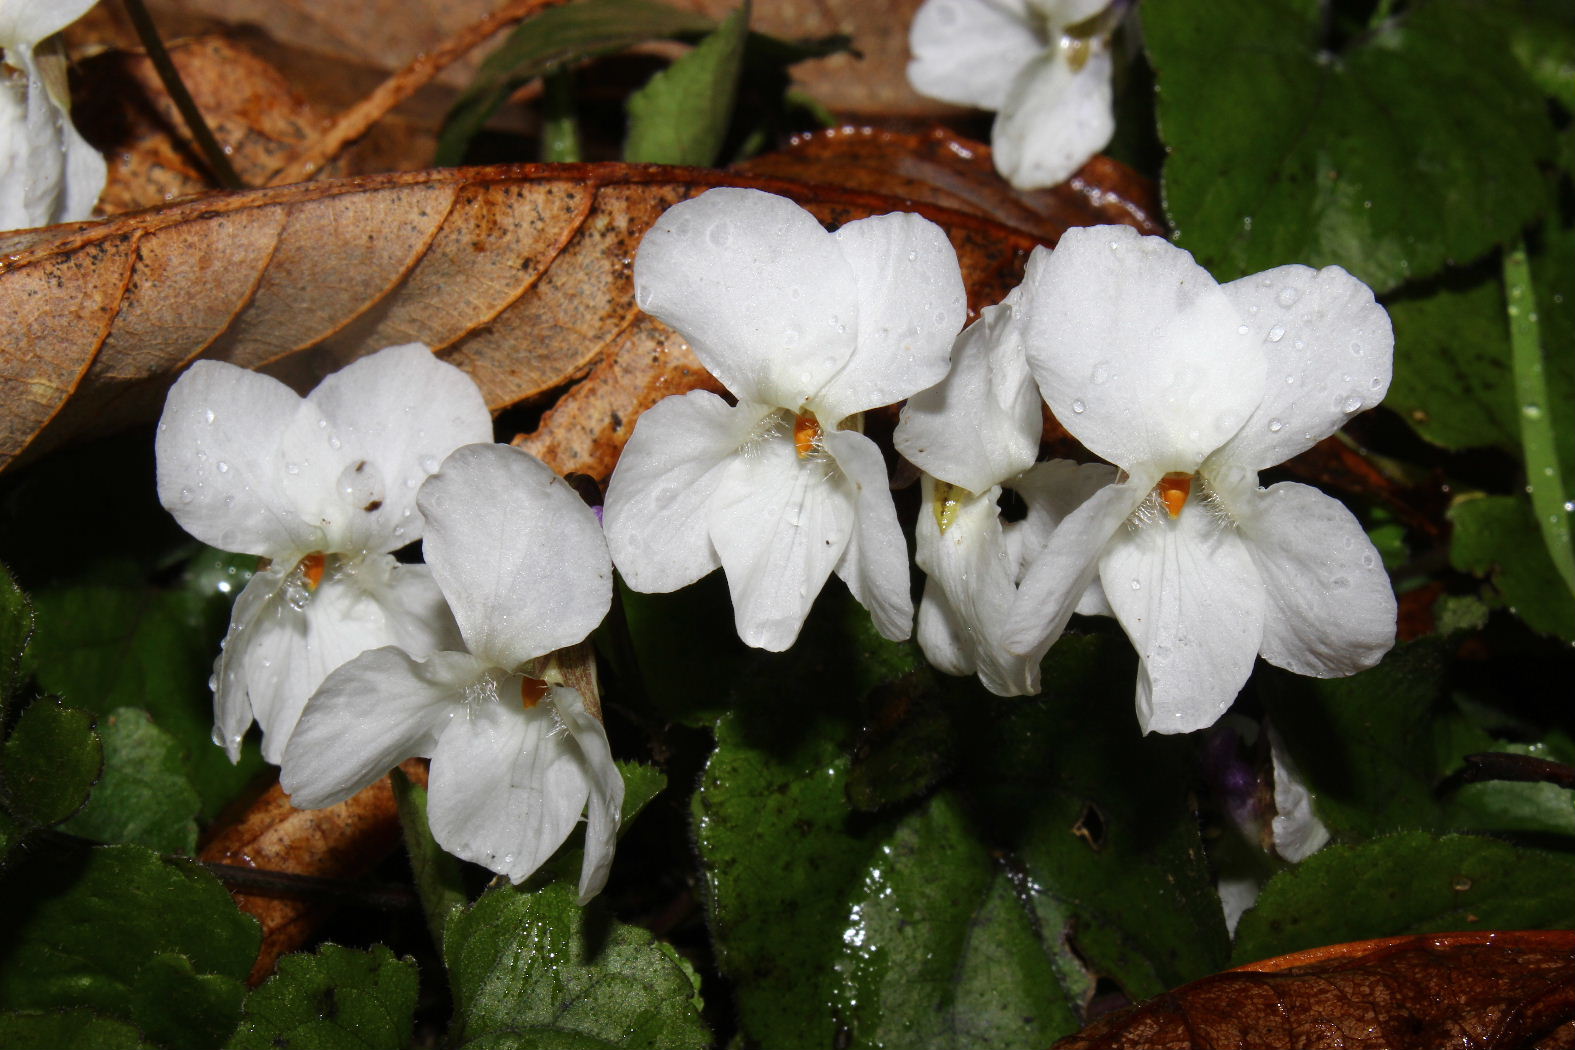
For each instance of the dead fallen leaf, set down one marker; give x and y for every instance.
(341, 842)
(386, 34)
(1467, 990)
(124, 111)
(519, 274)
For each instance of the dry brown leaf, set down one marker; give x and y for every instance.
(125, 112)
(386, 34)
(518, 274)
(1467, 990)
(341, 842)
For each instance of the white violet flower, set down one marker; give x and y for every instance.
(323, 487)
(974, 434)
(48, 172)
(808, 330)
(1050, 90)
(517, 756)
(1191, 388)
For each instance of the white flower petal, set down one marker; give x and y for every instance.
(1187, 594)
(1052, 490)
(1330, 351)
(1137, 351)
(507, 785)
(518, 554)
(972, 566)
(655, 515)
(968, 52)
(1054, 118)
(1297, 831)
(911, 304)
(285, 639)
(759, 289)
(1331, 608)
(981, 424)
(393, 417)
(779, 524)
(874, 563)
(942, 635)
(603, 808)
(370, 715)
(1054, 582)
(26, 22)
(219, 472)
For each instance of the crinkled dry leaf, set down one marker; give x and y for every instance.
(1465, 990)
(518, 274)
(339, 842)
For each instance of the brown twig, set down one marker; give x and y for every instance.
(359, 118)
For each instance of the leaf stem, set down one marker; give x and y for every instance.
(217, 160)
(560, 133)
(1544, 479)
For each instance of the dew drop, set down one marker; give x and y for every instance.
(1288, 296)
(218, 735)
(222, 467)
(1137, 586)
(213, 685)
(1351, 404)
(1376, 383)
(209, 416)
(1101, 373)
(1531, 411)
(1275, 426)
(1078, 406)
(292, 468)
(322, 424)
(1276, 333)
(429, 465)
(720, 234)
(186, 495)
(399, 530)
(913, 256)
(334, 442)
(1242, 329)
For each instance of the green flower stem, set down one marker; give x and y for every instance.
(218, 162)
(1544, 480)
(560, 133)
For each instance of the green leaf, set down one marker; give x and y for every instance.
(144, 795)
(1538, 439)
(1497, 536)
(664, 630)
(50, 763)
(1288, 146)
(335, 999)
(97, 927)
(1513, 806)
(177, 1007)
(1364, 744)
(1542, 34)
(995, 861)
(641, 784)
(69, 1030)
(944, 947)
(681, 116)
(440, 881)
(106, 647)
(1403, 884)
(1452, 380)
(16, 630)
(534, 969)
(552, 40)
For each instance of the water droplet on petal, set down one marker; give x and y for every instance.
(209, 416)
(1078, 406)
(1136, 585)
(1101, 373)
(222, 467)
(334, 442)
(720, 234)
(429, 464)
(1275, 426)
(1352, 404)
(186, 495)
(292, 468)
(1242, 329)
(1288, 296)
(913, 256)
(1276, 333)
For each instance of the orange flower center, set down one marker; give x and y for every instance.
(806, 433)
(1173, 490)
(531, 691)
(312, 567)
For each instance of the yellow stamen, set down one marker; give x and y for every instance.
(806, 433)
(946, 504)
(1173, 490)
(531, 691)
(312, 567)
